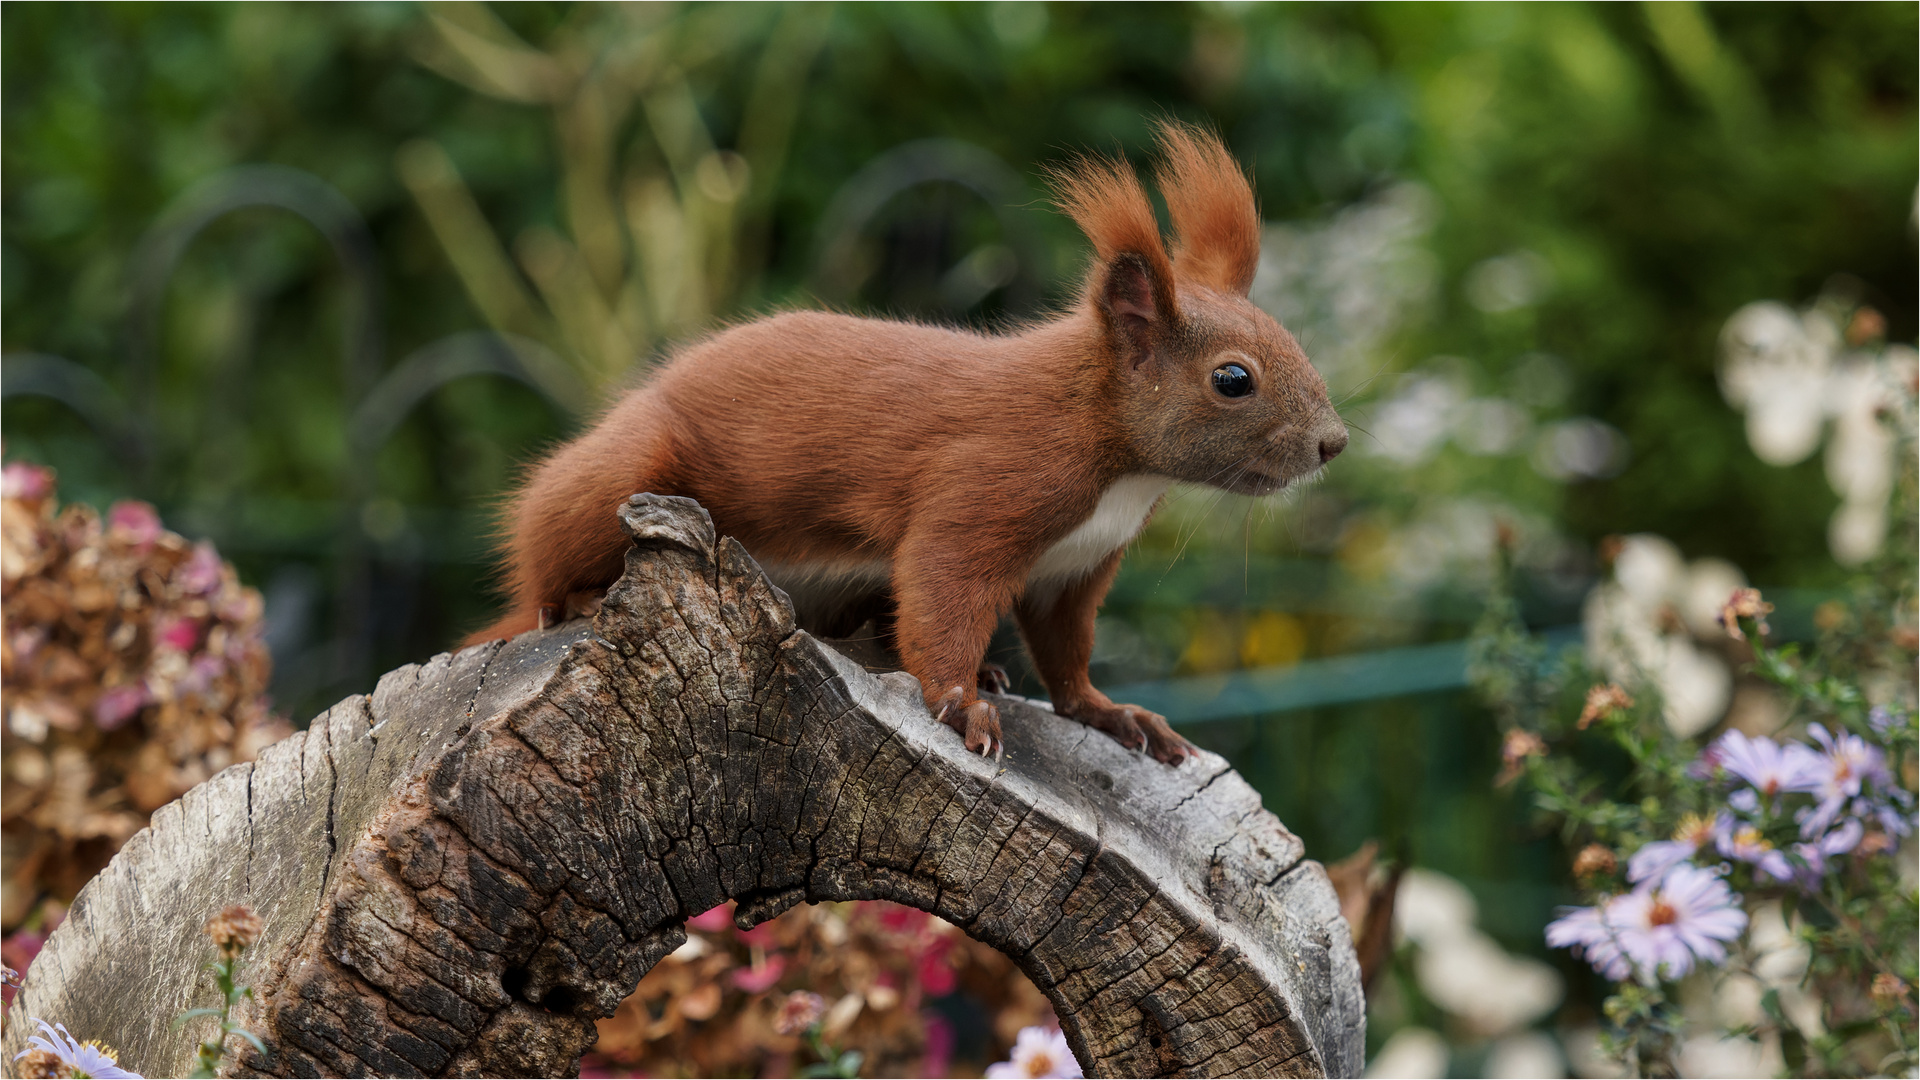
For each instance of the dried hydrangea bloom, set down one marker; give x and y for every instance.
(234, 929)
(118, 629)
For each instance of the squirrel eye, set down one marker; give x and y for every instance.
(1232, 380)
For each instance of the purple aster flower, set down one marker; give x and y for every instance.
(1769, 766)
(1707, 764)
(1657, 931)
(1847, 762)
(1892, 811)
(83, 1059)
(1746, 844)
(1848, 765)
(1809, 865)
(1695, 832)
(1598, 943)
(1883, 719)
(1688, 917)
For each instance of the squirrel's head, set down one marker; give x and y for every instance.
(1208, 387)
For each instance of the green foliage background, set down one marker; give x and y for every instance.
(1668, 162)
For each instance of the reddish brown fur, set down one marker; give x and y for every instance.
(954, 460)
(1211, 204)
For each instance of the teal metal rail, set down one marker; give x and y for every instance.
(1416, 669)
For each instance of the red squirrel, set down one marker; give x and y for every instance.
(963, 474)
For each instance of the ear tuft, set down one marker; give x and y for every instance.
(1211, 203)
(1106, 200)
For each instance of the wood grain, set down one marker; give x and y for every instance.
(461, 871)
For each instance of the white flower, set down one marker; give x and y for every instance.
(1037, 1052)
(84, 1059)
(1635, 629)
(1776, 372)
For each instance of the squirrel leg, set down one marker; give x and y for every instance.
(946, 612)
(1058, 630)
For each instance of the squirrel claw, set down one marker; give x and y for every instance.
(978, 722)
(993, 679)
(1136, 729)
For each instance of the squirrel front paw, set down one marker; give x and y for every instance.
(1134, 728)
(978, 722)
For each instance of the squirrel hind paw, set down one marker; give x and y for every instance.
(1165, 744)
(1137, 729)
(993, 679)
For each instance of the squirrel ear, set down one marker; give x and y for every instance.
(1212, 208)
(1131, 286)
(1135, 302)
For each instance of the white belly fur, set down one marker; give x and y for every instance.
(1123, 508)
(1115, 521)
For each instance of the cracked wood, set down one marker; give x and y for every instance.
(461, 871)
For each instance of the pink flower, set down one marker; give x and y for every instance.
(201, 675)
(801, 1010)
(758, 980)
(134, 522)
(19, 480)
(940, 1043)
(764, 935)
(118, 705)
(931, 968)
(1037, 1052)
(200, 574)
(713, 920)
(902, 919)
(180, 635)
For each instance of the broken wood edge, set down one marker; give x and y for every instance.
(460, 871)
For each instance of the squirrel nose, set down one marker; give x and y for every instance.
(1333, 442)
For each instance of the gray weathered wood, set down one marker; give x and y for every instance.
(460, 871)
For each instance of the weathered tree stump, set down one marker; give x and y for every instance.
(460, 872)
